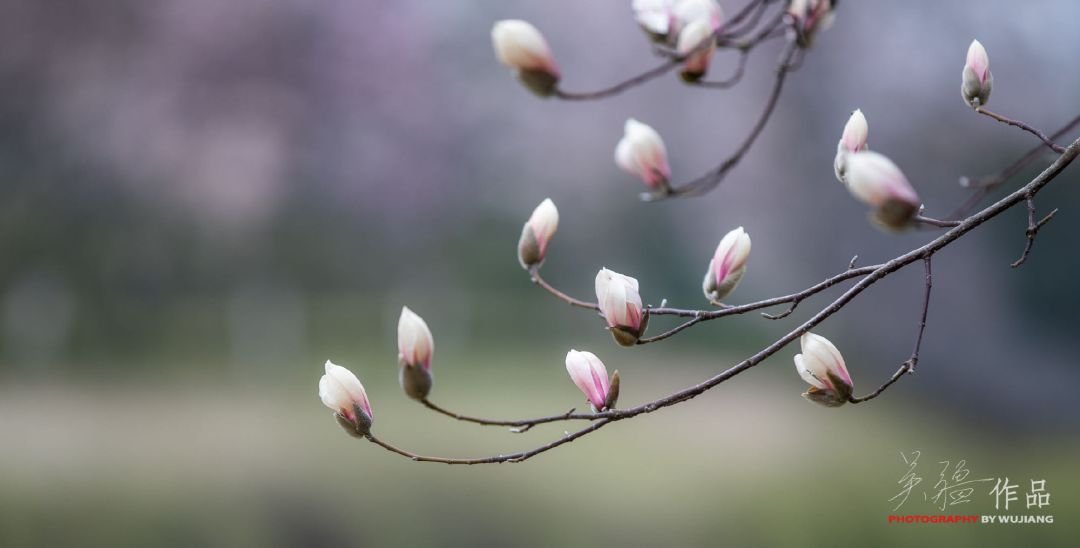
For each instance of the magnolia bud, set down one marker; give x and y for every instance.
(808, 17)
(822, 366)
(853, 140)
(590, 375)
(415, 347)
(641, 152)
(341, 391)
(520, 46)
(620, 304)
(727, 265)
(537, 233)
(976, 79)
(663, 20)
(655, 17)
(875, 180)
(695, 34)
(685, 12)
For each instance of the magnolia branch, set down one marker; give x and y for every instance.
(522, 425)
(870, 176)
(758, 7)
(1016, 123)
(545, 82)
(721, 38)
(713, 178)
(909, 365)
(766, 34)
(735, 78)
(1032, 230)
(987, 183)
(534, 275)
(704, 315)
(878, 272)
(512, 457)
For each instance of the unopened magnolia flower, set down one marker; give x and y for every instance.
(692, 36)
(664, 19)
(537, 233)
(853, 140)
(685, 12)
(976, 78)
(821, 365)
(342, 392)
(415, 347)
(620, 304)
(727, 265)
(808, 18)
(875, 180)
(590, 375)
(641, 152)
(520, 46)
(654, 16)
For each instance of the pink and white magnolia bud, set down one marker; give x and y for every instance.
(809, 17)
(691, 39)
(620, 304)
(520, 46)
(822, 366)
(341, 391)
(853, 140)
(415, 348)
(655, 17)
(875, 180)
(537, 233)
(664, 19)
(590, 375)
(641, 152)
(727, 265)
(685, 12)
(976, 79)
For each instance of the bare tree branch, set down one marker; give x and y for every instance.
(721, 38)
(512, 457)
(521, 425)
(1032, 230)
(879, 272)
(986, 184)
(1016, 123)
(934, 222)
(534, 274)
(713, 178)
(730, 81)
(909, 365)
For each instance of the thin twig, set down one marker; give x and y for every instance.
(720, 37)
(988, 183)
(534, 275)
(934, 222)
(703, 315)
(621, 86)
(904, 368)
(713, 178)
(909, 365)
(730, 32)
(744, 55)
(512, 457)
(521, 424)
(1016, 123)
(735, 78)
(670, 332)
(1032, 230)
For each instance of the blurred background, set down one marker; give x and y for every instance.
(202, 201)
